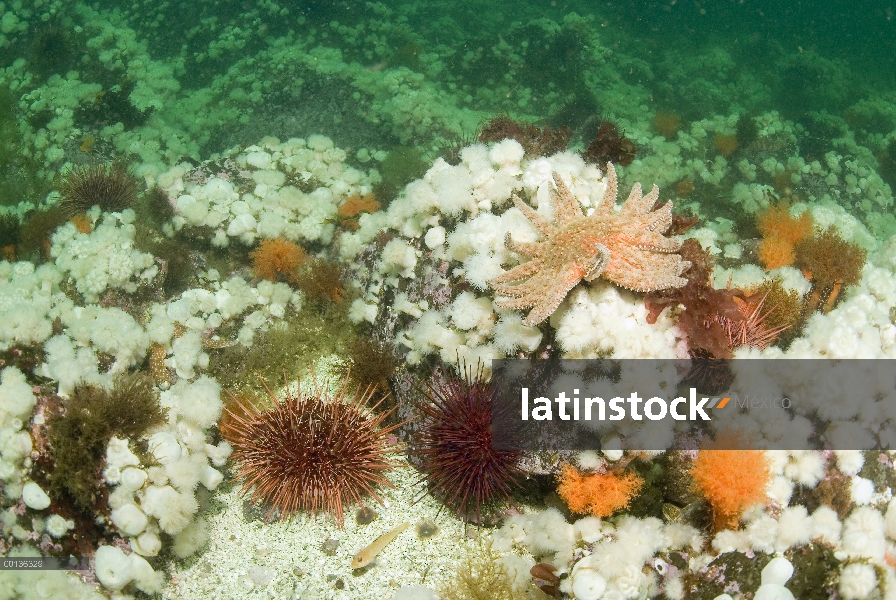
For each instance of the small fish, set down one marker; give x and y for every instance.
(363, 557)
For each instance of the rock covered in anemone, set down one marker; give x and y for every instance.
(427, 264)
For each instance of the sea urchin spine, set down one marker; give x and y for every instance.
(311, 451)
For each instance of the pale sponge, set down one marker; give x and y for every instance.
(191, 539)
(551, 535)
(587, 583)
(27, 296)
(104, 258)
(129, 519)
(185, 472)
(110, 331)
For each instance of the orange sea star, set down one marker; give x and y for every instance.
(626, 247)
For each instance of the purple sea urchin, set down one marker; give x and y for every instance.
(455, 445)
(312, 451)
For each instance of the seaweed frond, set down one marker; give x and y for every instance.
(79, 435)
(482, 575)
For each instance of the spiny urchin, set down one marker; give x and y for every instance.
(312, 451)
(110, 186)
(454, 444)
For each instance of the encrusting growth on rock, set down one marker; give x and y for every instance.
(321, 279)
(626, 247)
(535, 140)
(610, 146)
(705, 308)
(157, 367)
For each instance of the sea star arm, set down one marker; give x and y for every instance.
(659, 220)
(545, 228)
(598, 264)
(646, 240)
(530, 249)
(566, 207)
(646, 271)
(515, 303)
(527, 269)
(606, 206)
(551, 298)
(532, 287)
(636, 204)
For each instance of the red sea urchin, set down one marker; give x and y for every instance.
(455, 444)
(313, 452)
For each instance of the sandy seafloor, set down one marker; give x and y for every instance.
(247, 558)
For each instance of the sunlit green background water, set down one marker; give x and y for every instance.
(154, 83)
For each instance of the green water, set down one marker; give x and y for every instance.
(560, 62)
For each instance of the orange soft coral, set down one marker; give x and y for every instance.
(82, 223)
(726, 144)
(731, 480)
(358, 204)
(277, 257)
(777, 222)
(775, 252)
(780, 232)
(601, 494)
